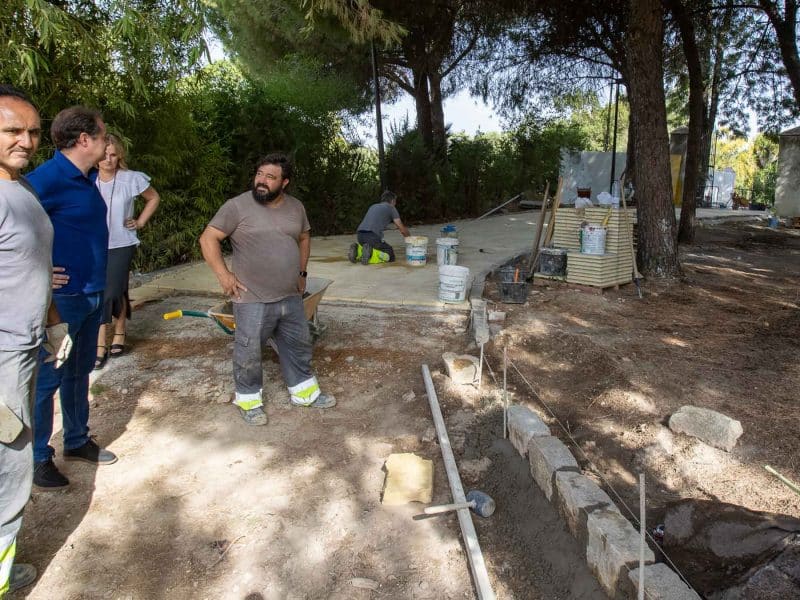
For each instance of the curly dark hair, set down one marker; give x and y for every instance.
(280, 159)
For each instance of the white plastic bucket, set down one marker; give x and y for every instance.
(416, 250)
(446, 251)
(593, 239)
(453, 283)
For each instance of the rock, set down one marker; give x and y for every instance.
(429, 435)
(462, 369)
(548, 455)
(523, 424)
(350, 359)
(711, 427)
(474, 469)
(364, 583)
(409, 396)
(662, 583)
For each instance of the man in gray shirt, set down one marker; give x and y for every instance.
(371, 247)
(271, 240)
(27, 318)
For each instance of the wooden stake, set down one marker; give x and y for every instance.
(551, 224)
(538, 236)
(505, 393)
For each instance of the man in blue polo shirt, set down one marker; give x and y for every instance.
(66, 186)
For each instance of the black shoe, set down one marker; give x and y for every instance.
(352, 253)
(47, 477)
(366, 253)
(21, 576)
(92, 453)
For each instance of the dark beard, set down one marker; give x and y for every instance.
(264, 198)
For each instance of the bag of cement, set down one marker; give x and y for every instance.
(583, 203)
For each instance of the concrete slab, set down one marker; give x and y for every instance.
(483, 246)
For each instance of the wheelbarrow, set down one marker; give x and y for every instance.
(222, 314)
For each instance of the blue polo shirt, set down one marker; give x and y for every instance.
(78, 213)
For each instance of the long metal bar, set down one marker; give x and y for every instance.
(478, 567)
(486, 214)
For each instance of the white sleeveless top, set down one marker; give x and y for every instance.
(119, 194)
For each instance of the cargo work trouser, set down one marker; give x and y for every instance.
(285, 322)
(17, 378)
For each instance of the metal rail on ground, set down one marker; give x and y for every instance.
(476, 563)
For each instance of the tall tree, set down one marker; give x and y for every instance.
(657, 251)
(697, 68)
(785, 24)
(112, 53)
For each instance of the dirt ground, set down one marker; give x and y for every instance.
(202, 506)
(612, 368)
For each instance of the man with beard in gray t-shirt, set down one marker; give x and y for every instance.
(271, 240)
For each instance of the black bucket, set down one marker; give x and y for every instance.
(553, 261)
(513, 292)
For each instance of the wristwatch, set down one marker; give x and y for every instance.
(303, 273)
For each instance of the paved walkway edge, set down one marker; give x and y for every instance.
(609, 543)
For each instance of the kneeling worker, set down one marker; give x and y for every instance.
(371, 248)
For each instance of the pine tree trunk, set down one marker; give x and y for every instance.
(657, 252)
(437, 117)
(422, 101)
(697, 121)
(786, 33)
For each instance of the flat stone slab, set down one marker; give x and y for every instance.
(662, 583)
(523, 424)
(461, 368)
(548, 455)
(612, 549)
(576, 498)
(709, 426)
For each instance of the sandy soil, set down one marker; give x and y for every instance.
(606, 371)
(200, 505)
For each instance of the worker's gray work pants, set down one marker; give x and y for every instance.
(17, 381)
(285, 322)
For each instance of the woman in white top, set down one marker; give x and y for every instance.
(119, 187)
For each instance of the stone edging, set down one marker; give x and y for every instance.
(610, 543)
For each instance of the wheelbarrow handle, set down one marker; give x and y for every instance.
(177, 314)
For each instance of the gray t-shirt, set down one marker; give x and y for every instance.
(26, 249)
(378, 217)
(266, 252)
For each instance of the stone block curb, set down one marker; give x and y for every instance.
(612, 549)
(523, 424)
(662, 583)
(611, 544)
(576, 497)
(547, 455)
